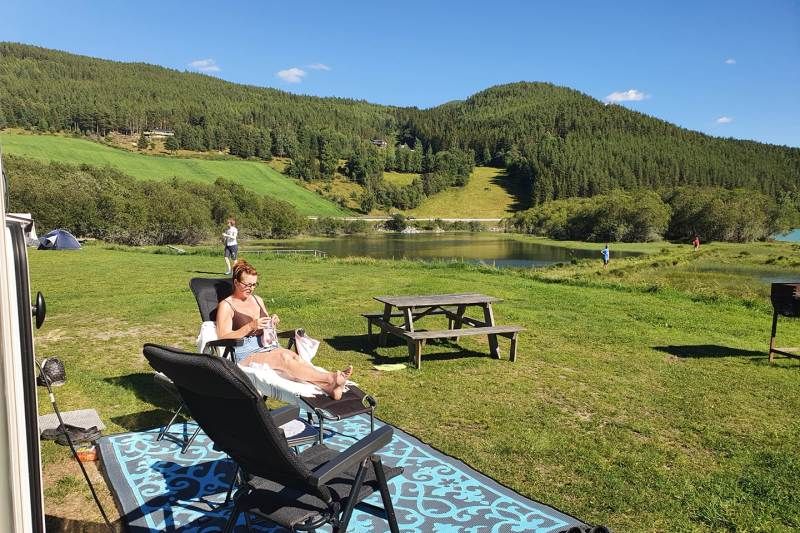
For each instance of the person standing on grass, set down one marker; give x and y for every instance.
(231, 244)
(696, 242)
(606, 255)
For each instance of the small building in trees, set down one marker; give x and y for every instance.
(381, 143)
(158, 133)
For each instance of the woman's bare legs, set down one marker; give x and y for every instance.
(299, 369)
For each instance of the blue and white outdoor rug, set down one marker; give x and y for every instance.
(160, 489)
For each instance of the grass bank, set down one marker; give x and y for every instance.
(256, 176)
(644, 409)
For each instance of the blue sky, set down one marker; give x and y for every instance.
(726, 68)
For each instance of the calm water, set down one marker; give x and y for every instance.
(492, 249)
(792, 236)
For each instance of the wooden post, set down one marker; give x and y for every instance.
(772, 337)
(513, 351)
(387, 317)
(409, 318)
(488, 317)
(457, 323)
(415, 352)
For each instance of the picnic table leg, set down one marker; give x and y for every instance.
(513, 351)
(457, 323)
(387, 317)
(415, 352)
(772, 337)
(408, 316)
(414, 346)
(488, 317)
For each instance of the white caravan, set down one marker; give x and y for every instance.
(21, 507)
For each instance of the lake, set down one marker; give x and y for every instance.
(792, 236)
(488, 248)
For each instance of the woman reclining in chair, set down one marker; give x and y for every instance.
(243, 315)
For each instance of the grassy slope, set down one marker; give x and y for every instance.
(255, 176)
(641, 407)
(489, 194)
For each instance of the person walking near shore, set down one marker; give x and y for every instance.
(231, 244)
(606, 255)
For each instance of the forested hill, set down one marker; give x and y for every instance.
(560, 140)
(53, 90)
(570, 144)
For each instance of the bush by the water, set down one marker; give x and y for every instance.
(618, 216)
(331, 227)
(106, 204)
(714, 213)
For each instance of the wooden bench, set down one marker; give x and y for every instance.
(418, 338)
(377, 317)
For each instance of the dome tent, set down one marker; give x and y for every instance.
(59, 239)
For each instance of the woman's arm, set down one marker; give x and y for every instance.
(225, 323)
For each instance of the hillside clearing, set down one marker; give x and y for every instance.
(256, 176)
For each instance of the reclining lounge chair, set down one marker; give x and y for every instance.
(209, 292)
(301, 491)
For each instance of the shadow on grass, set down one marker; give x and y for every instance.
(144, 387)
(697, 351)
(154, 418)
(516, 188)
(363, 345)
(216, 273)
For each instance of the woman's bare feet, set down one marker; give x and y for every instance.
(335, 388)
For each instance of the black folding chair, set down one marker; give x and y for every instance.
(210, 291)
(301, 491)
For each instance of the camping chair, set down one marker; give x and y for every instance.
(296, 434)
(209, 292)
(301, 491)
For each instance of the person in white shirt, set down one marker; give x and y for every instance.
(231, 244)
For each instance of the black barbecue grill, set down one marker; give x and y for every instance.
(785, 302)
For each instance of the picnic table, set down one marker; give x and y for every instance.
(454, 306)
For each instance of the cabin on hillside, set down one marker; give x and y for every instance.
(158, 133)
(380, 143)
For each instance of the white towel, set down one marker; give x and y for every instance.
(208, 332)
(270, 383)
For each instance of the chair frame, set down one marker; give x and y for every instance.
(334, 481)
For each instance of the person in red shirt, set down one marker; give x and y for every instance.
(696, 242)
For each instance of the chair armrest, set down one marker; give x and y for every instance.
(285, 414)
(352, 455)
(290, 333)
(227, 343)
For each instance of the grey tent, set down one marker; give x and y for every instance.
(59, 239)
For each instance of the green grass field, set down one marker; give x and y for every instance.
(635, 402)
(488, 194)
(256, 176)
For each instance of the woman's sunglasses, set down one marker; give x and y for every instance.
(247, 285)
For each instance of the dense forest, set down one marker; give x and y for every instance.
(107, 204)
(563, 143)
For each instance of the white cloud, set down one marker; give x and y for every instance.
(730, 61)
(205, 65)
(631, 95)
(292, 75)
(724, 120)
(319, 66)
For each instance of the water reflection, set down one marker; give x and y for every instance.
(493, 249)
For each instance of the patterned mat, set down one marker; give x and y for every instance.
(159, 489)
